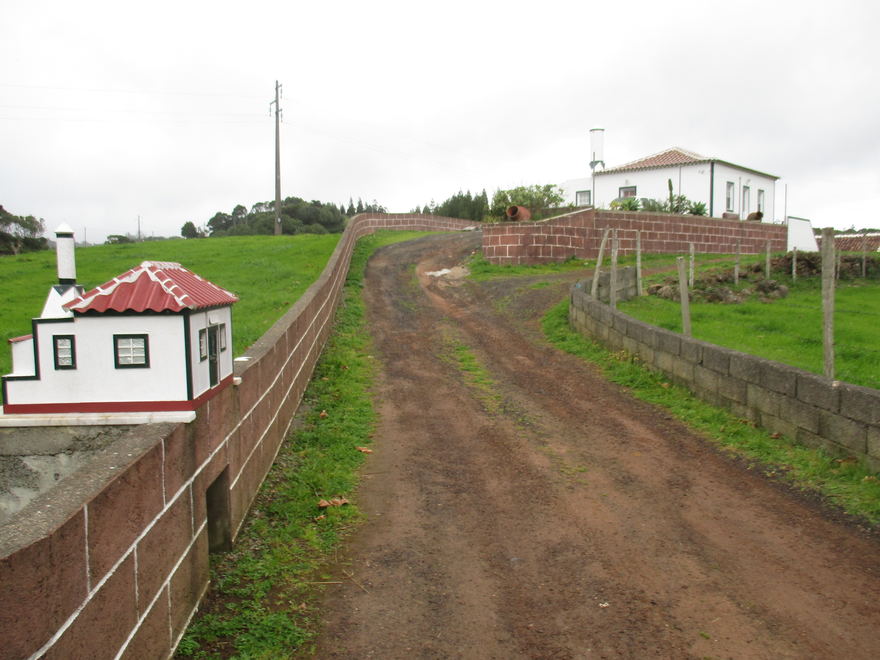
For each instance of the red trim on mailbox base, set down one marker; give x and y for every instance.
(115, 406)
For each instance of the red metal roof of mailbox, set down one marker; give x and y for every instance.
(156, 286)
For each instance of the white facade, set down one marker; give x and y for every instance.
(179, 366)
(201, 323)
(95, 376)
(707, 181)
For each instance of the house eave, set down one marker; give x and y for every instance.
(620, 170)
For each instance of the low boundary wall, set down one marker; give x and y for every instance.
(579, 233)
(841, 418)
(113, 561)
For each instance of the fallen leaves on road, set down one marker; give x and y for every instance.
(336, 501)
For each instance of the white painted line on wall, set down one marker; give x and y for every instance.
(165, 585)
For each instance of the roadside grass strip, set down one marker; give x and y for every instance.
(845, 483)
(265, 594)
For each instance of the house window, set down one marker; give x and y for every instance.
(627, 191)
(747, 201)
(731, 191)
(760, 200)
(203, 345)
(131, 351)
(221, 336)
(64, 350)
(582, 198)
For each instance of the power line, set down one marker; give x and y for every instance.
(107, 90)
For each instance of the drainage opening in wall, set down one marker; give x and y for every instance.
(219, 518)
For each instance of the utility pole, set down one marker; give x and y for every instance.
(277, 157)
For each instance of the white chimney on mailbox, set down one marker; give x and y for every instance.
(67, 289)
(64, 254)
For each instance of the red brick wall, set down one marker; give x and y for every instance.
(578, 235)
(116, 559)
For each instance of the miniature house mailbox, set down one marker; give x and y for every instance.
(156, 338)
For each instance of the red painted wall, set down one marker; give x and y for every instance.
(578, 235)
(115, 559)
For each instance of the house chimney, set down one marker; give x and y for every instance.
(64, 247)
(597, 147)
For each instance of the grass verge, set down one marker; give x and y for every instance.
(264, 594)
(845, 483)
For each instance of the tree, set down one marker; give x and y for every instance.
(189, 230)
(20, 233)
(538, 199)
(350, 211)
(220, 223)
(238, 214)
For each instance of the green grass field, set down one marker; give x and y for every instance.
(788, 330)
(267, 273)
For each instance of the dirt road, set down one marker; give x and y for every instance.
(555, 516)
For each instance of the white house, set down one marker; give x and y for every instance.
(726, 189)
(156, 338)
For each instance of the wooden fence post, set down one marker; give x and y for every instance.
(794, 265)
(736, 265)
(767, 263)
(685, 302)
(865, 254)
(594, 290)
(829, 264)
(638, 262)
(612, 296)
(691, 266)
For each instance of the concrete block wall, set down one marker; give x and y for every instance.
(841, 418)
(578, 234)
(113, 561)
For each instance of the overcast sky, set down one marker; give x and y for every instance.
(113, 110)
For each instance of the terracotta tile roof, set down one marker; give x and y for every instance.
(856, 242)
(156, 286)
(674, 156)
(15, 340)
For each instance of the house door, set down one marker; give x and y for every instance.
(213, 363)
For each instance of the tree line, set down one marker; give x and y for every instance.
(541, 200)
(21, 233)
(297, 217)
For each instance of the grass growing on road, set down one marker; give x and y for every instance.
(264, 598)
(475, 375)
(845, 483)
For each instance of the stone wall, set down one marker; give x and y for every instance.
(841, 418)
(114, 559)
(578, 234)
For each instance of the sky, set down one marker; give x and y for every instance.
(113, 114)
